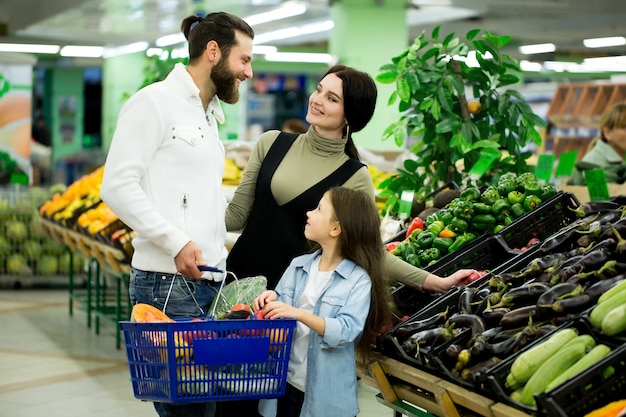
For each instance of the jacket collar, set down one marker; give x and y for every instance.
(181, 76)
(344, 269)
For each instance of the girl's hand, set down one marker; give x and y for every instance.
(264, 298)
(278, 309)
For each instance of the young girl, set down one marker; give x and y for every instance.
(338, 294)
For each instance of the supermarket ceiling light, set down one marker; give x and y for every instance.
(263, 49)
(604, 42)
(77, 51)
(299, 57)
(29, 48)
(287, 9)
(540, 48)
(294, 31)
(131, 48)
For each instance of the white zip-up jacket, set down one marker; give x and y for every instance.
(163, 173)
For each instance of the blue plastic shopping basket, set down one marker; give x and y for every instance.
(213, 360)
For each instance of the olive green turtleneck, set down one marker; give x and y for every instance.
(310, 159)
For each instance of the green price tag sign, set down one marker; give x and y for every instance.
(405, 204)
(596, 185)
(543, 170)
(482, 165)
(565, 167)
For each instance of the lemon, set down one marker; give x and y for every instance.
(474, 107)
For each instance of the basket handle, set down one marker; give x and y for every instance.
(219, 292)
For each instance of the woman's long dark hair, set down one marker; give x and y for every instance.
(359, 101)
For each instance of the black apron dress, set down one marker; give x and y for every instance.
(274, 234)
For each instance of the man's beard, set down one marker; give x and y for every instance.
(225, 82)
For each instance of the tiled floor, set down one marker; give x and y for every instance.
(52, 365)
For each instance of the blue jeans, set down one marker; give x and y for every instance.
(153, 288)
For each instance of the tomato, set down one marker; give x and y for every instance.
(240, 306)
(259, 314)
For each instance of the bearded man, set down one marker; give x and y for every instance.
(163, 175)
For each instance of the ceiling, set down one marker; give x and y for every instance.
(116, 22)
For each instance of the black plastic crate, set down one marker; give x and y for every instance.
(542, 222)
(388, 343)
(496, 377)
(407, 300)
(589, 390)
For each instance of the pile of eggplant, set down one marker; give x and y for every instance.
(554, 282)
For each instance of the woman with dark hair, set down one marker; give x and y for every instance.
(287, 174)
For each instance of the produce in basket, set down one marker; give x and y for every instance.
(145, 313)
(239, 291)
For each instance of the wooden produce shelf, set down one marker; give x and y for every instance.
(414, 392)
(99, 300)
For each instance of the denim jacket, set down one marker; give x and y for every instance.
(331, 382)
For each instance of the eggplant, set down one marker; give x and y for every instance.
(475, 373)
(494, 315)
(520, 316)
(409, 328)
(464, 305)
(587, 261)
(430, 337)
(572, 304)
(598, 288)
(473, 322)
(551, 295)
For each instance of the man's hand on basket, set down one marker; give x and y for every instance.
(188, 259)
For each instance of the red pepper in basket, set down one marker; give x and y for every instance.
(391, 246)
(416, 223)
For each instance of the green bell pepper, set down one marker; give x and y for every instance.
(532, 188)
(500, 206)
(425, 239)
(517, 210)
(490, 195)
(464, 210)
(483, 222)
(436, 227)
(505, 186)
(414, 234)
(515, 197)
(547, 192)
(414, 259)
(498, 228)
(482, 208)
(470, 194)
(531, 202)
(443, 244)
(527, 177)
(429, 255)
(458, 225)
(461, 241)
(445, 215)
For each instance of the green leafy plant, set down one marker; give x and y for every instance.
(156, 69)
(449, 134)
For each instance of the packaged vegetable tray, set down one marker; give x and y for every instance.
(208, 360)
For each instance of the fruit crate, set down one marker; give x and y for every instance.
(211, 360)
(496, 377)
(540, 223)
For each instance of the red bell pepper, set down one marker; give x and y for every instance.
(416, 223)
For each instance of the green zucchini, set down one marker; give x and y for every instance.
(587, 339)
(529, 361)
(600, 310)
(614, 322)
(593, 356)
(550, 369)
(619, 286)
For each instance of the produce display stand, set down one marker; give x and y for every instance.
(411, 391)
(98, 300)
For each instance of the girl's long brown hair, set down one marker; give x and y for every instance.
(360, 241)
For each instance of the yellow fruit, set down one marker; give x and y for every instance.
(474, 107)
